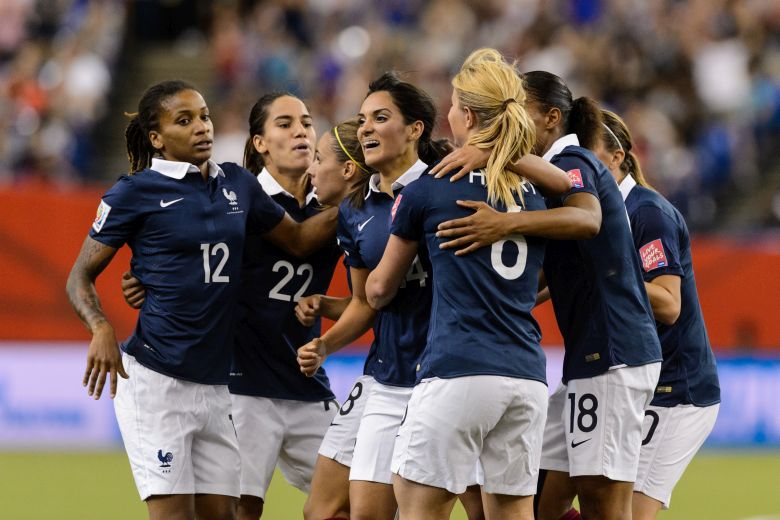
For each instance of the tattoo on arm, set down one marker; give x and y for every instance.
(92, 260)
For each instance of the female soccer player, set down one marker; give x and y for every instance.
(482, 396)
(612, 360)
(687, 397)
(396, 123)
(185, 218)
(280, 415)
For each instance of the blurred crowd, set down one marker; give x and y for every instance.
(698, 81)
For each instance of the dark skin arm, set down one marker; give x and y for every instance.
(302, 239)
(103, 356)
(550, 179)
(578, 219)
(314, 305)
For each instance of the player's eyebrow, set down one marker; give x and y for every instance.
(376, 112)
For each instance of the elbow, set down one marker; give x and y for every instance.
(590, 228)
(378, 294)
(668, 315)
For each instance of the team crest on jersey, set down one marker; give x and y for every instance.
(653, 255)
(575, 178)
(165, 459)
(231, 197)
(102, 214)
(395, 206)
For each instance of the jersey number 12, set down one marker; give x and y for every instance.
(214, 250)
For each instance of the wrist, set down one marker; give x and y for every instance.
(101, 327)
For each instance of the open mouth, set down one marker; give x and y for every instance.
(368, 144)
(302, 148)
(204, 145)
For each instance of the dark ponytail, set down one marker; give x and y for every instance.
(580, 116)
(253, 160)
(415, 105)
(139, 148)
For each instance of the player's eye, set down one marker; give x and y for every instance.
(361, 121)
(206, 117)
(183, 122)
(381, 118)
(284, 125)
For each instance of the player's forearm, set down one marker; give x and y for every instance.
(357, 318)
(332, 307)
(80, 287)
(315, 233)
(550, 179)
(666, 309)
(566, 223)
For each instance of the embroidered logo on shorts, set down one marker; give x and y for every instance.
(653, 255)
(165, 459)
(575, 178)
(395, 206)
(102, 214)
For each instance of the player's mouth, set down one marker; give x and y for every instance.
(204, 144)
(302, 148)
(369, 144)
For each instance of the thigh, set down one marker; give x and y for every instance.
(512, 448)
(603, 417)
(260, 429)
(215, 507)
(671, 437)
(557, 495)
(329, 495)
(420, 502)
(306, 424)
(339, 441)
(171, 507)
(216, 461)
(157, 416)
(371, 500)
(384, 411)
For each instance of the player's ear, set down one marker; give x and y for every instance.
(552, 118)
(156, 139)
(259, 143)
(349, 171)
(471, 118)
(416, 130)
(618, 156)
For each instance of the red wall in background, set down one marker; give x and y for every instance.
(41, 231)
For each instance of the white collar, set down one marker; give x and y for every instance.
(626, 185)
(561, 143)
(177, 169)
(272, 187)
(412, 174)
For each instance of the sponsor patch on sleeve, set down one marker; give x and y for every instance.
(102, 214)
(653, 255)
(395, 206)
(575, 177)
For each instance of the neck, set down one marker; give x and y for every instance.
(553, 135)
(390, 172)
(294, 182)
(618, 175)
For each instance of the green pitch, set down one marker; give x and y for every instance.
(88, 486)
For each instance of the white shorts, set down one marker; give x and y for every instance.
(279, 431)
(454, 425)
(594, 425)
(339, 441)
(384, 411)
(179, 435)
(670, 439)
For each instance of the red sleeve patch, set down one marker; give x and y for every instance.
(575, 177)
(395, 206)
(653, 255)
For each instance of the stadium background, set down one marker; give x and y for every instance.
(698, 82)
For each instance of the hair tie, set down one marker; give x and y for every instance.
(614, 136)
(344, 149)
(506, 103)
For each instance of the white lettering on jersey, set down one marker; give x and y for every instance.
(102, 214)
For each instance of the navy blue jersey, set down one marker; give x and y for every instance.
(481, 322)
(688, 373)
(401, 327)
(268, 333)
(187, 237)
(596, 285)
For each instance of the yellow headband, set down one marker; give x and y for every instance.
(336, 133)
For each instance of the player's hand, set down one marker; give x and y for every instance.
(480, 229)
(308, 309)
(103, 359)
(468, 158)
(311, 356)
(132, 290)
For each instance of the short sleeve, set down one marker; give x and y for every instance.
(265, 214)
(408, 212)
(581, 175)
(656, 238)
(117, 215)
(344, 235)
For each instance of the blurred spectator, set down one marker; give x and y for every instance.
(698, 81)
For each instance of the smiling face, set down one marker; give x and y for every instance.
(287, 143)
(186, 132)
(329, 175)
(383, 133)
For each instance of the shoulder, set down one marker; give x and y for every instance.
(643, 200)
